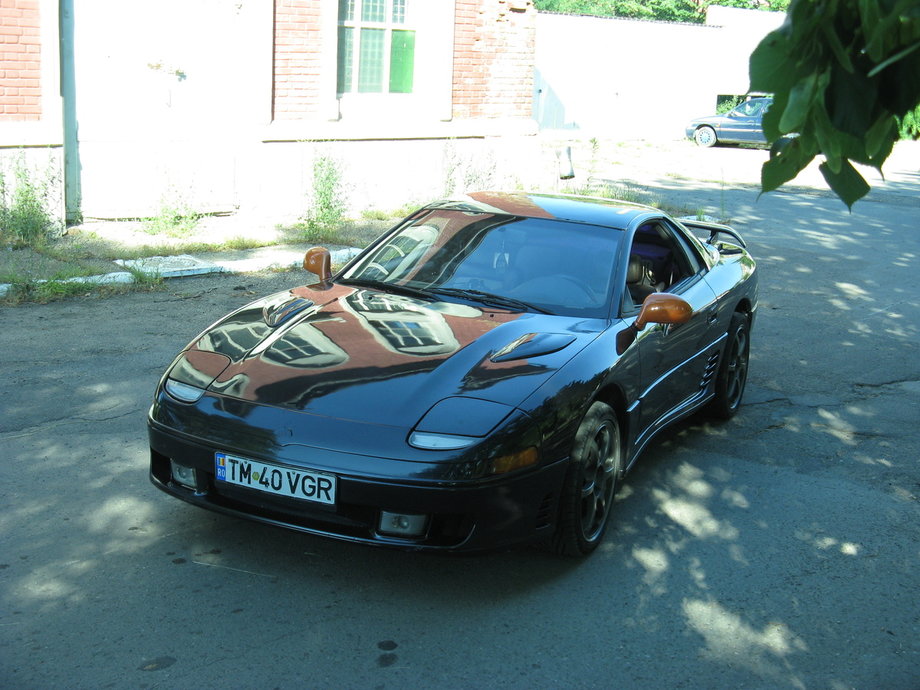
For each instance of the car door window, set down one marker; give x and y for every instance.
(660, 260)
(749, 108)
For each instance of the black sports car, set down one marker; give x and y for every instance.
(483, 374)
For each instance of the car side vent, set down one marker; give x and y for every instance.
(711, 367)
(545, 512)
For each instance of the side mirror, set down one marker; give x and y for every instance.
(659, 307)
(318, 261)
(665, 308)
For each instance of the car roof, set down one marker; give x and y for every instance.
(579, 209)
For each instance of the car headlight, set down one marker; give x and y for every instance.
(183, 392)
(457, 422)
(431, 441)
(192, 372)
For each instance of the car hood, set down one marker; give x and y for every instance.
(368, 356)
(712, 120)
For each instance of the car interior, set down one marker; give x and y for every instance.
(657, 263)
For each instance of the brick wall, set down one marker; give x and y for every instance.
(20, 60)
(297, 62)
(493, 58)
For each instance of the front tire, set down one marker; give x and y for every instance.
(590, 483)
(733, 368)
(705, 137)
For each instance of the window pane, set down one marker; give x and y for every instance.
(402, 61)
(346, 10)
(345, 58)
(373, 11)
(370, 64)
(399, 11)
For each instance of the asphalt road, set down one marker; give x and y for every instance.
(779, 550)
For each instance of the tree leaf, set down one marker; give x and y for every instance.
(800, 102)
(770, 68)
(883, 129)
(787, 159)
(848, 184)
(894, 58)
(833, 40)
(827, 136)
(770, 121)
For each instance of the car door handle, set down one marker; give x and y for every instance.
(712, 316)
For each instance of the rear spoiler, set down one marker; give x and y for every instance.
(714, 230)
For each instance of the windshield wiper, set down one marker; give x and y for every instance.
(490, 299)
(389, 287)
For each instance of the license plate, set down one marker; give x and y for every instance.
(275, 479)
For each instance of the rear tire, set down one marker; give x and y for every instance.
(590, 483)
(733, 368)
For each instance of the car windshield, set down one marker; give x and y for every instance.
(523, 264)
(749, 108)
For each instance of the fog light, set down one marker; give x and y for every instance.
(401, 524)
(186, 476)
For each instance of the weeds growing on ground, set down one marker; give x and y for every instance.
(26, 218)
(43, 291)
(327, 199)
(393, 215)
(619, 192)
(174, 218)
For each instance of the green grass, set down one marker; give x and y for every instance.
(175, 218)
(43, 291)
(346, 233)
(26, 218)
(391, 216)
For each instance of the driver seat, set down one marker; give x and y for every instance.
(639, 279)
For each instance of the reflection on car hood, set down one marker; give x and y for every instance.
(369, 356)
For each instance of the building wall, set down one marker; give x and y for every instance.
(229, 108)
(227, 105)
(30, 104)
(493, 58)
(20, 61)
(298, 59)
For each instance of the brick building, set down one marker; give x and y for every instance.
(229, 105)
(232, 102)
(20, 57)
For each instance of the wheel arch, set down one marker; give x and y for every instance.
(745, 307)
(613, 395)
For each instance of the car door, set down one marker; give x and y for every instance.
(745, 123)
(675, 359)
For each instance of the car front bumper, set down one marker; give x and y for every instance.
(465, 515)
